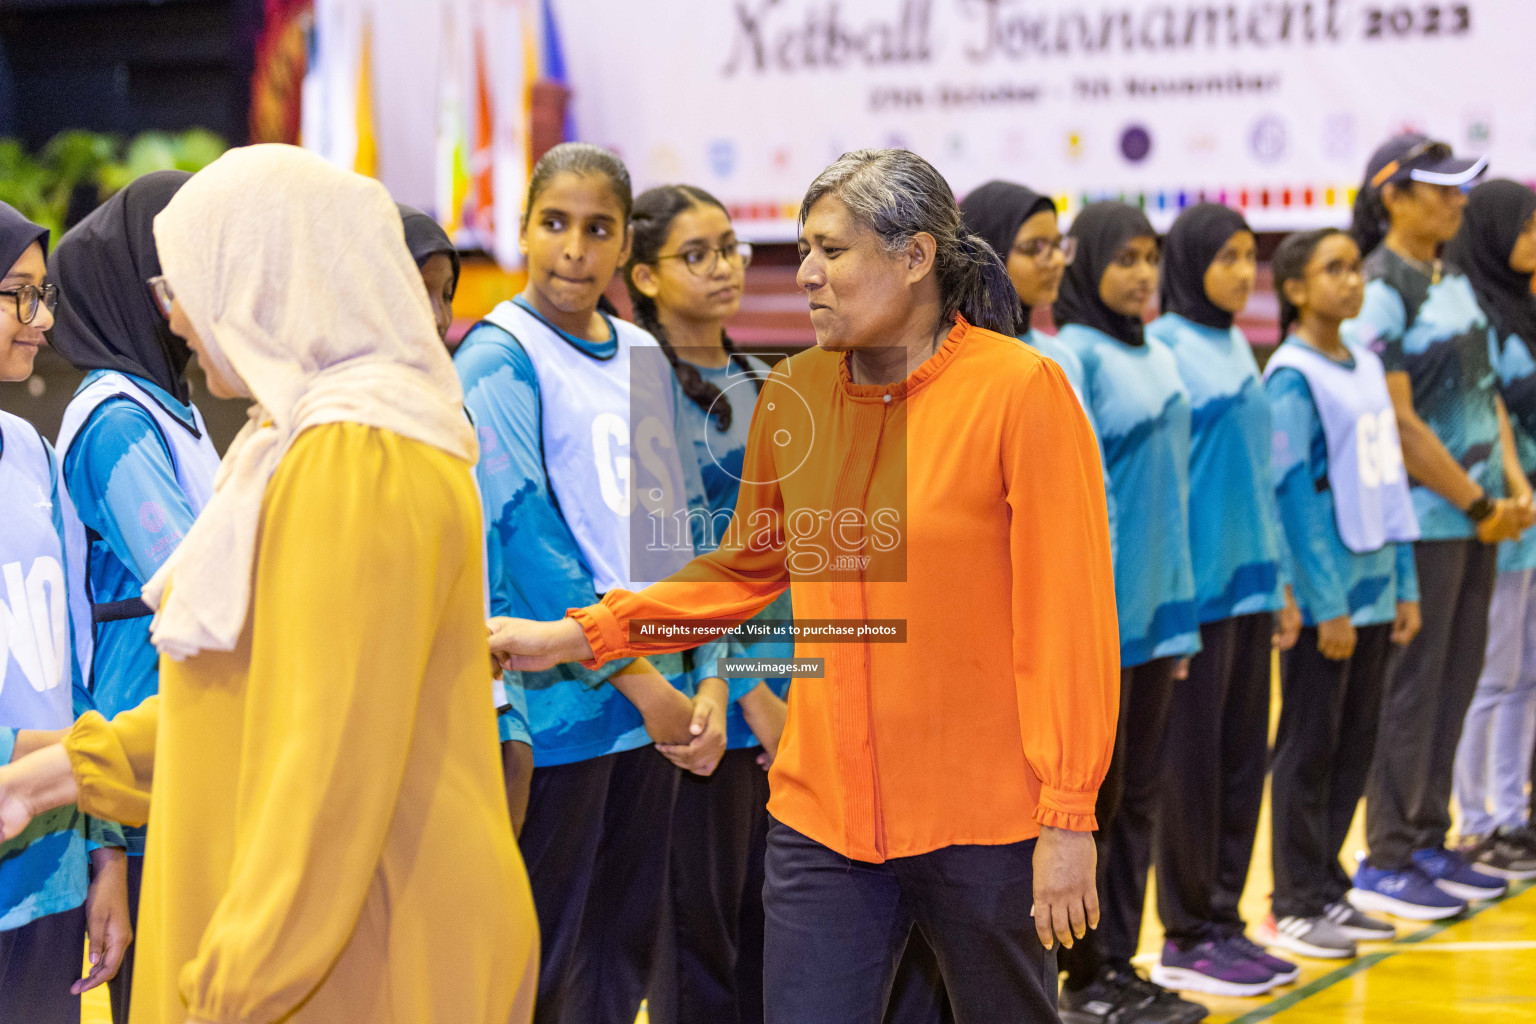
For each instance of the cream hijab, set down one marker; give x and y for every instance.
(296, 275)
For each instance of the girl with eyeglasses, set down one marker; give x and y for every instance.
(685, 276)
(1422, 317)
(1132, 387)
(1218, 725)
(136, 453)
(63, 877)
(579, 461)
(1350, 526)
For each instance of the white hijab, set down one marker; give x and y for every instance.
(296, 276)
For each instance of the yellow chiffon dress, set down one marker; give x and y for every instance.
(331, 839)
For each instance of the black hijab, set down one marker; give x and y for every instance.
(17, 235)
(1497, 212)
(1188, 251)
(107, 317)
(426, 238)
(1101, 230)
(996, 210)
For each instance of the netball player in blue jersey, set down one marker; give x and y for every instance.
(550, 382)
(64, 877)
(1350, 526)
(1422, 318)
(1218, 729)
(137, 457)
(685, 276)
(1496, 248)
(1141, 408)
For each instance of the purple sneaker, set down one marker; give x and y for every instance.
(1284, 971)
(1212, 967)
(1452, 874)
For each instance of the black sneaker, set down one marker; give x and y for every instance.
(1502, 853)
(1179, 1010)
(1122, 997)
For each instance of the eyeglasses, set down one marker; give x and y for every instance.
(29, 297)
(1042, 249)
(164, 297)
(702, 262)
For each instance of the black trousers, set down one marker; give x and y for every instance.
(1429, 688)
(38, 963)
(1329, 715)
(120, 988)
(709, 968)
(1126, 812)
(836, 928)
(1213, 779)
(595, 843)
(918, 995)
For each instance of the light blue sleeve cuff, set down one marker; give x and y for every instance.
(7, 744)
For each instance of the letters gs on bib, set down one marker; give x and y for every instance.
(1417, 20)
(615, 471)
(1378, 453)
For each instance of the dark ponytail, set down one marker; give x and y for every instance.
(651, 222)
(896, 194)
(1290, 264)
(1370, 222)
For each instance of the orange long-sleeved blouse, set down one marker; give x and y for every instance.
(968, 502)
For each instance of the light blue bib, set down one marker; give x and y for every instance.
(1371, 501)
(35, 603)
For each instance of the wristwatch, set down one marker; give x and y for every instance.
(1480, 509)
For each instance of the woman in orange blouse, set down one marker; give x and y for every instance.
(918, 468)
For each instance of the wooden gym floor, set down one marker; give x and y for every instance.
(1479, 967)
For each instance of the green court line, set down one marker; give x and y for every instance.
(1368, 961)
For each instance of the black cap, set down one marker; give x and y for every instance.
(1415, 157)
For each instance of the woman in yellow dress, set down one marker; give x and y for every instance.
(331, 839)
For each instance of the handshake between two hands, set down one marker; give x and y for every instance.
(689, 733)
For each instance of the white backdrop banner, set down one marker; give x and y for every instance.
(1270, 105)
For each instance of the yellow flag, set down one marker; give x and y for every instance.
(366, 159)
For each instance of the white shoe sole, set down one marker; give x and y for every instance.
(1469, 893)
(1302, 947)
(1364, 899)
(1181, 979)
(1509, 874)
(1367, 934)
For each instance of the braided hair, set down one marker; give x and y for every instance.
(650, 224)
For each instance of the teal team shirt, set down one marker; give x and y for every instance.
(1235, 541)
(1435, 332)
(45, 869)
(534, 563)
(1048, 346)
(1517, 383)
(1141, 409)
(1329, 579)
(718, 456)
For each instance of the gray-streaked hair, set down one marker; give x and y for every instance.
(896, 193)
